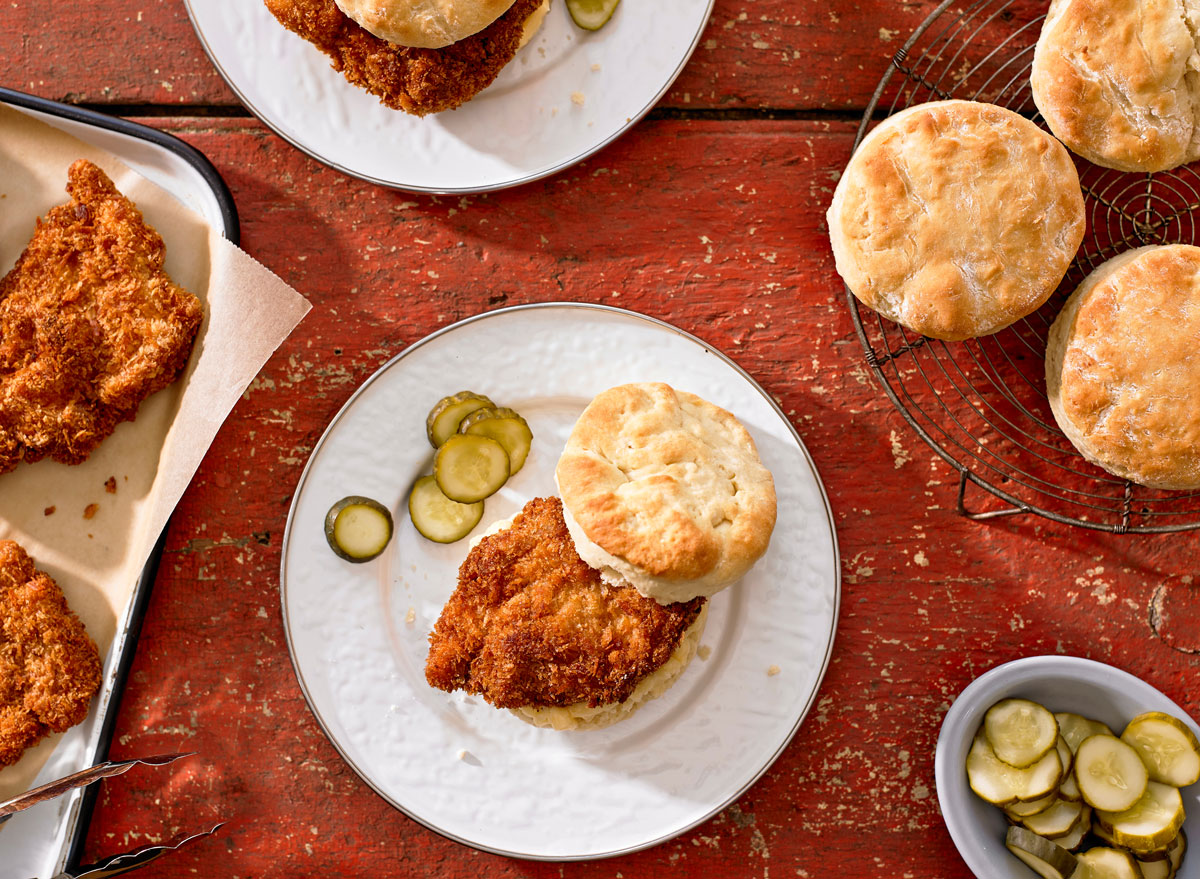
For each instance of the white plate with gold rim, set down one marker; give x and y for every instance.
(358, 634)
(566, 95)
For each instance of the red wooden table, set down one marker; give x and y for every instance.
(709, 214)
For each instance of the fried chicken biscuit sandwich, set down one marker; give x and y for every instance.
(570, 633)
(419, 56)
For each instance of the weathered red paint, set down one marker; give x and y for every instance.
(713, 224)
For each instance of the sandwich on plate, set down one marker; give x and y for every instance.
(579, 610)
(419, 56)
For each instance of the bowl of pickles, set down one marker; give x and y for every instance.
(1060, 767)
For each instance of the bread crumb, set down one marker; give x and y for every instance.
(773, 670)
(90, 510)
(411, 616)
(704, 652)
(49, 511)
(595, 68)
(577, 98)
(111, 485)
(461, 755)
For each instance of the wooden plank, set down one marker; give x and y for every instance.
(717, 228)
(772, 54)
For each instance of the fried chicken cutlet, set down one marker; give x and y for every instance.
(530, 624)
(49, 667)
(417, 81)
(90, 325)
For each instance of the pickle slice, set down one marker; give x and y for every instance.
(1073, 840)
(1150, 823)
(358, 529)
(1000, 783)
(438, 518)
(1102, 862)
(1020, 731)
(470, 468)
(1160, 869)
(1066, 755)
(1020, 810)
(1167, 747)
(1069, 789)
(1059, 820)
(1075, 728)
(506, 427)
(591, 15)
(1047, 859)
(1110, 774)
(1176, 850)
(444, 418)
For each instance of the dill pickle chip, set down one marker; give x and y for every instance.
(1046, 858)
(1167, 747)
(591, 15)
(358, 529)
(438, 518)
(470, 468)
(447, 414)
(1020, 731)
(506, 427)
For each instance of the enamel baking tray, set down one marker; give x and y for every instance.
(50, 836)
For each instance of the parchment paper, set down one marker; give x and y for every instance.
(248, 313)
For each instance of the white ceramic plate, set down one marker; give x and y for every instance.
(525, 126)
(1061, 683)
(479, 775)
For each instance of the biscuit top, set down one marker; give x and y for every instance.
(1111, 78)
(665, 490)
(427, 24)
(956, 218)
(1129, 383)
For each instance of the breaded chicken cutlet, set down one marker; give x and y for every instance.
(90, 325)
(49, 667)
(417, 81)
(530, 624)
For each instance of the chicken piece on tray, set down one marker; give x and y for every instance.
(90, 325)
(49, 666)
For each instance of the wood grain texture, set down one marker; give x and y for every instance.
(712, 222)
(929, 600)
(755, 54)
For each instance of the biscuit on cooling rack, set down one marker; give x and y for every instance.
(1123, 366)
(956, 218)
(1114, 80)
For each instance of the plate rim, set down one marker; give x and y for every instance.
(508, 183)
(836, 561)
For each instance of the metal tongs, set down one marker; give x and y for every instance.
(113, 865)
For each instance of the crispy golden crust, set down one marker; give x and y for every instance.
(531, 625)
(1113, 80)
(90, 325)
(49, 667)
(1123, 366)
(667, 490)
(418, 81)
(956, 218)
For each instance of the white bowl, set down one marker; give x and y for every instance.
(1061, 683)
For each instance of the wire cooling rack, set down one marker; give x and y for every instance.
(981, 404)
